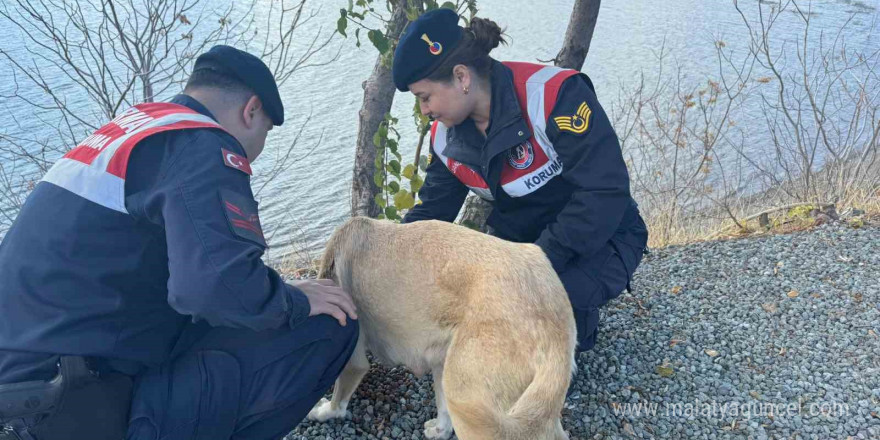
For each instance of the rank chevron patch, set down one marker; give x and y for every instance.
(577, 123)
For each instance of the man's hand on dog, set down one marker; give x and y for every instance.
(326, 298)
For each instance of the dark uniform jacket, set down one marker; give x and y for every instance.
(573, 214)
(79, 278)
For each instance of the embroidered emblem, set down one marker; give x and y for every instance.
(521, 156)
(233, 160)
(241, 212)
(577, 123)
(433, 46)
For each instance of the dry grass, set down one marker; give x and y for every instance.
(698, 174)
(785, 221)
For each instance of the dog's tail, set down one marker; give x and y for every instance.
(327, 265)
(347, 238)
(535, 415)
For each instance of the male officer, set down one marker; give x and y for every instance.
(138, 258)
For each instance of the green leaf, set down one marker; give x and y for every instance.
(342, 23)
(380, 200)
(472, 8)
(379, 40)
(412, 14)
(448, 5)
(423, 162)
(392, 145)
(391, 213)
(395, 167)
(416, 183)
(408, 171)
(377, 140)
(340, 26)
(381, 217)
(357, 36)
(393, 187)
(404, 200)
(377, 179)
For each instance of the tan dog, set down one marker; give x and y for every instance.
(489, 318)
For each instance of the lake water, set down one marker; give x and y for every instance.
(302, 206)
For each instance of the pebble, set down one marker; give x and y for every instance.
(814, 352)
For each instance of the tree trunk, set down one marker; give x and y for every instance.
(572, 56)
(579, 34)
(476, 212)
(378, 95)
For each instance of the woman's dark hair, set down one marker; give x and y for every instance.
(478, 40)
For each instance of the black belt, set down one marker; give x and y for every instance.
(36, 397)
(77, 404)
(25, 400)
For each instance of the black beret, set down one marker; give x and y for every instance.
(424, 45)
(250, 71)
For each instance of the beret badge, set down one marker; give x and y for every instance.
(433, 46)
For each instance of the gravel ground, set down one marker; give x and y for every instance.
(773, 337)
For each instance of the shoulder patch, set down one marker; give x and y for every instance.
(577, 123)
(241, 212)
(236, 161)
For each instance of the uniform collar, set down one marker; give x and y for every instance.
(507, 128)
(464, 143)
(192, 103)
(505, 107)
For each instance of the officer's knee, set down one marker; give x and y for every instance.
(587, 322)
(347, 336)
(335, 350)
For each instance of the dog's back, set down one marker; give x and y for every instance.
(494, 311)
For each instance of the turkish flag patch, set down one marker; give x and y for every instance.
(233, 160)
(241, 211)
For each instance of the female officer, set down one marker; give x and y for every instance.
(534, 141)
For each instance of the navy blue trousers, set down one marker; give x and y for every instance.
(593, 281)
(224, 383)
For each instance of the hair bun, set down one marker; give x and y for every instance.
(487, 33)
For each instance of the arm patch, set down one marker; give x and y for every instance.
(577, 123)
(241, 212)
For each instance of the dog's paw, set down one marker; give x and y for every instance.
(437, 429)
(323, 411)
